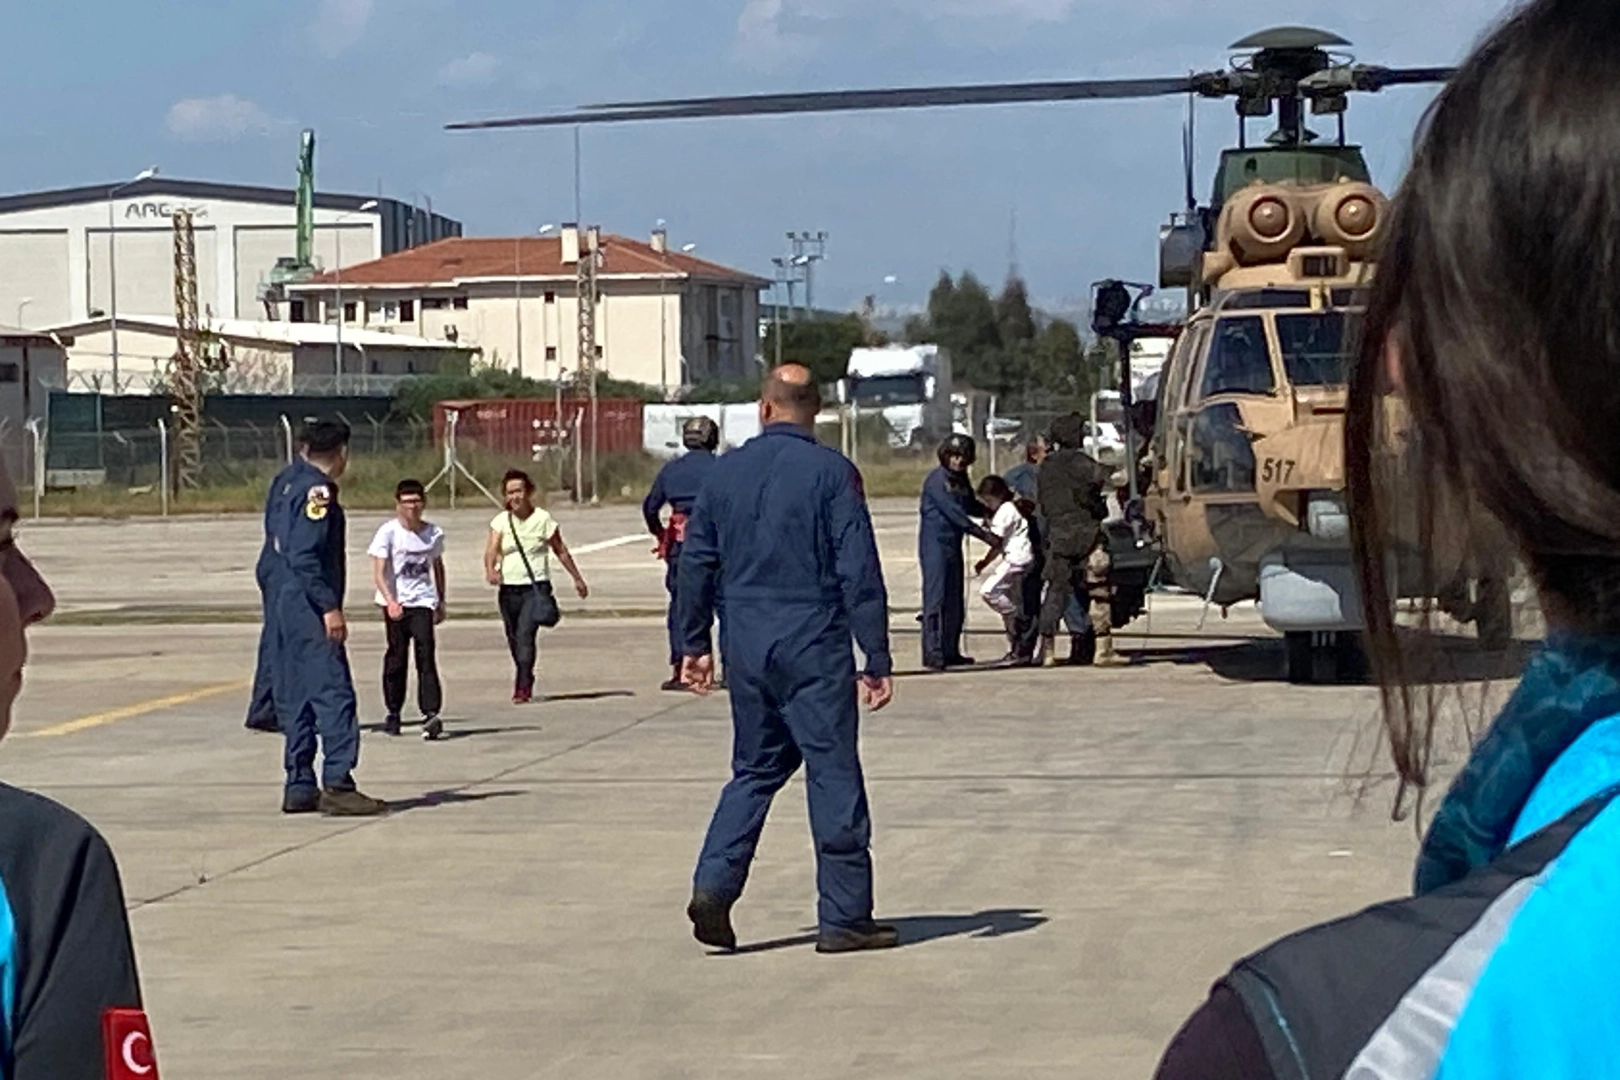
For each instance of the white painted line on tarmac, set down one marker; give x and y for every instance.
(618, 541)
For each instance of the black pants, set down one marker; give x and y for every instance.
(415, 627)
(1065, 579)
(521, 615)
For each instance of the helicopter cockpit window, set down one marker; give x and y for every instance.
(1239, 360)
(1221, 458)
(1316, 346)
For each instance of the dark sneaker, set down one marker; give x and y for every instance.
(711, 921)
(391, 724)
(300, 801)
(960, 661)
(350, 803)
(432, 728)
(521, 696)
(672, 685)
(842, 939)
(267, 728)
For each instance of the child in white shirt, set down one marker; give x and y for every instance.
(1003, 589)
(407, 558)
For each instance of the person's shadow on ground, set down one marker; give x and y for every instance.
(917, 929)
(447, 798)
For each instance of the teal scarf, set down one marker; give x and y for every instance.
(1572, 683)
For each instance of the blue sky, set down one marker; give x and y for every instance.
(218, 91)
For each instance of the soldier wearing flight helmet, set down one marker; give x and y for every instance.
(947, 510)
(677, 486)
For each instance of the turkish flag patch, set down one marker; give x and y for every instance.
(127, 1039)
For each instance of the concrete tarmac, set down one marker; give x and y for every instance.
(1072, 855)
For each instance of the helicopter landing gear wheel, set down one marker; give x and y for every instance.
(1324, 657)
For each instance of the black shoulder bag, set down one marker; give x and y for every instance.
(546, 612)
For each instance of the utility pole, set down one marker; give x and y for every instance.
(185, 367)
(808, 249)
(585, 291)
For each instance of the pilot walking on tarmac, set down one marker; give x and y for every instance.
(677, 486)
(261, 714)
(782, 529)
(311, 681)
(1071, 486)
(947, 510)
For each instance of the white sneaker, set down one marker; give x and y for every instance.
(432, 728)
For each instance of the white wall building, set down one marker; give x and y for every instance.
(262, 356)
(664, 318)
(60, 250)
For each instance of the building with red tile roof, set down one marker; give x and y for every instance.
(664, 317)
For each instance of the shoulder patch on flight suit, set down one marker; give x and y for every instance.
(320, 498)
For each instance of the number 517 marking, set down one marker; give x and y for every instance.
(1276, 471)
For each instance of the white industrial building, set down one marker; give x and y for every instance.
(664, 317)
(31, 364)
(61, 252)
(261, 356)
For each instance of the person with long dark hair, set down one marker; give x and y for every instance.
(517, 560)
(1482, 414)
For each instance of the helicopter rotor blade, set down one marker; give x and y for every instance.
(1380, 77)
(847, 101)
(1189, 147)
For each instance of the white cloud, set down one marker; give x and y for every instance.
(340, 24)
(222, 118)
(475, 69)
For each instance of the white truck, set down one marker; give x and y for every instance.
(909, 385)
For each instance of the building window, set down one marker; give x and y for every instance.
(433, 303)
(10, 373)
(599, 352)
(348, 311)
(376, 367)
(390, 311)
(295, 311)
(459, 303)
(551, 297)
(407, 311)
(551, 352)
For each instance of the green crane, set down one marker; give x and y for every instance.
(301, 265)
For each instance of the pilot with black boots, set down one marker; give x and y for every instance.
(1071, 487)
(311, 682)
(783, 528)
(947, 511)
(677, 486)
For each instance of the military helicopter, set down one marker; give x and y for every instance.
(1244, 476)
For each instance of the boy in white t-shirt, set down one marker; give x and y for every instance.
(1003, 590)
(407, 566)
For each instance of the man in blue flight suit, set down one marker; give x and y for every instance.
(782, 529)
(311, 683)
(947, 511)
(261, 714)
(677, 485)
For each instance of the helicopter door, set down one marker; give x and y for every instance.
(1175, 420)
(1217, 467)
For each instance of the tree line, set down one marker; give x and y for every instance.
(997, 343)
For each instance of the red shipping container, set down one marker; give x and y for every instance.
(513, 427)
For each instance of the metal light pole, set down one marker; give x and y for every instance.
(112, 264)
(369, 204)
(24, 302)
(517, 290)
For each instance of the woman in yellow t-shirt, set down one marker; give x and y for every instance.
(517, 560)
